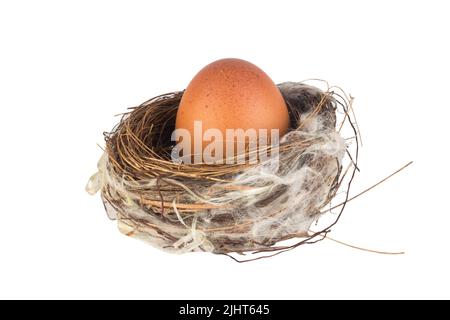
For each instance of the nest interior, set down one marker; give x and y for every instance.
(223, 208)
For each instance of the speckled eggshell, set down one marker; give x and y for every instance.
(232, 94)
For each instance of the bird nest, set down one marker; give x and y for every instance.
(230, 208)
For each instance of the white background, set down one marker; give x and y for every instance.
(66, 68)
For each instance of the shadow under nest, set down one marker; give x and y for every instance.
(227, 208)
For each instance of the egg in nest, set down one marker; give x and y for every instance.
(230, 106)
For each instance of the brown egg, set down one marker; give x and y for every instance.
(232, 94)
